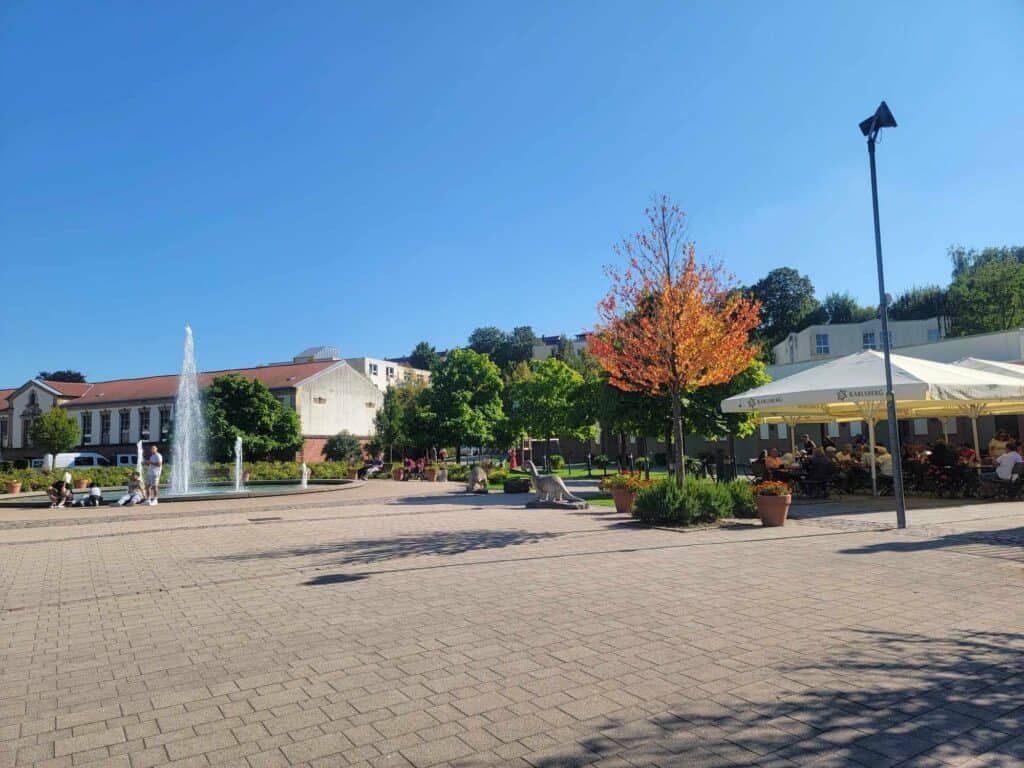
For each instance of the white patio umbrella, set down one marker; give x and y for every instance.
(852, 388)
(1013, 370)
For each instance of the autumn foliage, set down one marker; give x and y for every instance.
(670, 324)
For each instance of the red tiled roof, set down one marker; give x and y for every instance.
(4, 394)
(159, 387)
(69, 388)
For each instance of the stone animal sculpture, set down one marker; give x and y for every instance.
(549, 487)
(477, 482)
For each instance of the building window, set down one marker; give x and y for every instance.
(389, 372)
(144, 423)
(374, 369)
(821, 343)
(869, 341)
(32, 399)
(766, 432)
(951, 425)
(124, 417)
(3, 432)
(933, 334)
(856, 428)
(319, 400)
(26, 433)
(104, 427)
(920, 426)
(86, 427)
(164, 427)
(833, 429)
(783, 431)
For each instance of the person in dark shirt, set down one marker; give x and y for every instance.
(942, 454)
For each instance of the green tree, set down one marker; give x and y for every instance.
(236, 406)
(66, 375)
(517, 348)
(465, 400)
(987, 295)
(921, 304)
(55, 431)
(343, 446)
(487, 340)
(704, 414)
(424, 357)
(843, 308)
(551, 402)
(787, 305)
(388, 422)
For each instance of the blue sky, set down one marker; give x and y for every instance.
(367, 175)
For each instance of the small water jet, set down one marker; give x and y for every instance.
(187, 447)
(239, 487)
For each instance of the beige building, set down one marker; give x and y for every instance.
(385, 373)
(818, 343)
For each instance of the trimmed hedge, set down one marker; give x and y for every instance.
(34, 480)
(743, 502)
(698, 501)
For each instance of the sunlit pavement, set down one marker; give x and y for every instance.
(402, 624)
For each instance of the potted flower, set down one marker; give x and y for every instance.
(773, 500)
(14, 486)
(81, 483)
(430, 473)
(352, 473)
(246, 476)
(397, 472)
(623, 488)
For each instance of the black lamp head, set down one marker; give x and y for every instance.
(881, 119)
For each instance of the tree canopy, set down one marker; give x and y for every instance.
(66, 375)
(55, 431)
(787, 305)
(669, 325)
(464, 399)
(548, 400)
(843, 308)
(234, 405)
(343, 446)
(424, 356)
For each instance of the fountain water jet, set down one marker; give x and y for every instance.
(187, 447)
(239, 487)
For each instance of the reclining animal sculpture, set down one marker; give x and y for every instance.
(477, 482)
(550, 487)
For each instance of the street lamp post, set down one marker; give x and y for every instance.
(883, 119)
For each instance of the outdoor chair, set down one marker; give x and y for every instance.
(1010, 490)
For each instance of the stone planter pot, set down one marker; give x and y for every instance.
(81, 484)
(430, 475)
(624, 499)
(773, 510)
(14, 487)
(397, 473)
(353, 474)
(246, 477)
(442, 476)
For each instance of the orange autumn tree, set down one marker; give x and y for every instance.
(670, 325)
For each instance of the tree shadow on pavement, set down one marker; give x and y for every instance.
(884, 699)
(365, 551)
(1007, 537)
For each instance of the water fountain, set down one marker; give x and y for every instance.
(305, 475)
(239, 487)
(187, 447)
(138, 458)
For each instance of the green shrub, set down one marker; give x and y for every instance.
(556, 460)
(499, 475)
(698, 501)
(458, 472)
(743, 502)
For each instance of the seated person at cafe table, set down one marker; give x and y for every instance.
(999, 444)
(772, 460)
(1005, 463)
(883, 461)
(942, 455)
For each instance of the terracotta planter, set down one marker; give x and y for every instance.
(353, 474)
(442, 476)
(246, 476)
(773, 510)
(397, 473)
(430, 475)
(624, 499)
(81, 484)
(14, 487)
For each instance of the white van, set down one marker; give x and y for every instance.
(83, 459)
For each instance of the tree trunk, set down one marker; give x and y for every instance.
(677, 433)
(458, 454)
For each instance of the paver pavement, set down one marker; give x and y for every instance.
(407, 625)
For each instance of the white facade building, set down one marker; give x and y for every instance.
(385, 373)
(818, 343)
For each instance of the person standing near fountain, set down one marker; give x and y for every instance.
(154, 466)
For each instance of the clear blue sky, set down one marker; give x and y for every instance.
(371, 174)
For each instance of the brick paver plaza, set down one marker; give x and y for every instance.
(400, 625)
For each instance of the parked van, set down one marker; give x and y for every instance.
(83, 459)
